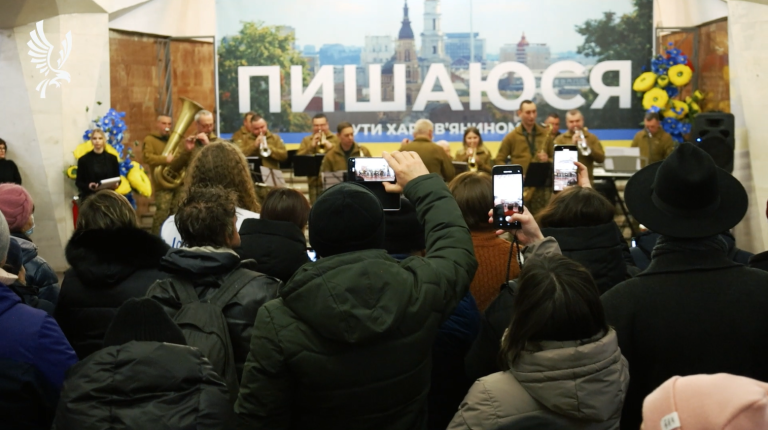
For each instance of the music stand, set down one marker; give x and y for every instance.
(460, 166)
(333, 178)
(288, 163)
(309, 166)
(254, 165)
(272, 177)
(538, 175)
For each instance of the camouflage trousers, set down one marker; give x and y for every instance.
(163, 201)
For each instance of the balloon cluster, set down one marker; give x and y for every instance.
(669, 73)
(132, 175)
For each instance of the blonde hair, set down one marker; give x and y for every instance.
(223, 165)
(106, 210)
(100, 131)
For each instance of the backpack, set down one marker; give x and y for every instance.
(204, 325)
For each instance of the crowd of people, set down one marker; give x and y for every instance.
(422, 318)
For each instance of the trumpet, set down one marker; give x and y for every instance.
(471, 161)
(264, 150)
(584, 149)
(322, 144)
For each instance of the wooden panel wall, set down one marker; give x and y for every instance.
(135, 84)
(713, 70)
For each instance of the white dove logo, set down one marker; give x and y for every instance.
(41, 50)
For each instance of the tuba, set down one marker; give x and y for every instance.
(471, 161)
(166, 178)
(584, 148)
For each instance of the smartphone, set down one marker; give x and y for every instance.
(375, 169)
(311, 254)
(370, 173)
(507, 194)
(565, 171)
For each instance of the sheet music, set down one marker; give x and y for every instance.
(272, 177)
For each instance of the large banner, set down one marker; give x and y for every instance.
(384, 64)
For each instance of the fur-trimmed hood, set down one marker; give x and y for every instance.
(106, 257)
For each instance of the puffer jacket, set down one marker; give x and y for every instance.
(348, 343)
(108, 268)
(39, 274)
(279, 247)
(206, 268)
(578, 384)
(143, 385)
(599, 248)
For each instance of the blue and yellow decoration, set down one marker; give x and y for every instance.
(132, 175)
(659, 87)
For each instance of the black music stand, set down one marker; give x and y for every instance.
(460, 167)
(538, 175)
(254, 165)
(309, 166)
(288, 163)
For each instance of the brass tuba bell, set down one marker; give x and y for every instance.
(166, 178)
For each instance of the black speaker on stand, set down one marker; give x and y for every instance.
(713, 132)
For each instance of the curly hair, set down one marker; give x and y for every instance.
(223, 165)
(206, 217)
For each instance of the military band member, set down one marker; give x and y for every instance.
(244, 131)
(473, 146)
(655, 144)
(336, 158)
(553, 120)
(433, 155)
(264, 140)
(528, 143)
(152, 151)
(574, 120)
(320, 141)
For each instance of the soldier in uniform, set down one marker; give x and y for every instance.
(152, 150)
(262, 136)
(245, 130)
(528, 143)
(336, 158)
(655, 144)
(321, 139)
(192, 145)
(553, 120)
(574, 120)
(433, 156)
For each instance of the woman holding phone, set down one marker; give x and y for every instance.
(474, 153)
(96, 166)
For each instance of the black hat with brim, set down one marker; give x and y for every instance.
(686, 196)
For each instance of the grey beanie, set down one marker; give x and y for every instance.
(5, 238)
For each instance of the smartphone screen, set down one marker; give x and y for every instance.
(507, 194)
(370, 170)
(311, 254)
(370, 173)
(565, 170)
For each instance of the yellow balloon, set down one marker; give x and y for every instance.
(644, 82)
(87, 147)
(125, 186)
(139, 179)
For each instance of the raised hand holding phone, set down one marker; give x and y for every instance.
(529, 231)
(407, 166)
(507, 194)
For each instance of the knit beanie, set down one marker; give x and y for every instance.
(707, 402)
(404, 231)
(142, 320)
(5, 238)
(16, 204)
(15, 259)
(346, 218)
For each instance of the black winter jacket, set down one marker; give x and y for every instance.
(206, 268)
(108, 268)
(39, 274)
(348, 343)
(143, 385)
(278, 247)
(689, 312)
(598, 248)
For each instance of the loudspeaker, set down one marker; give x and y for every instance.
(713, 132)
